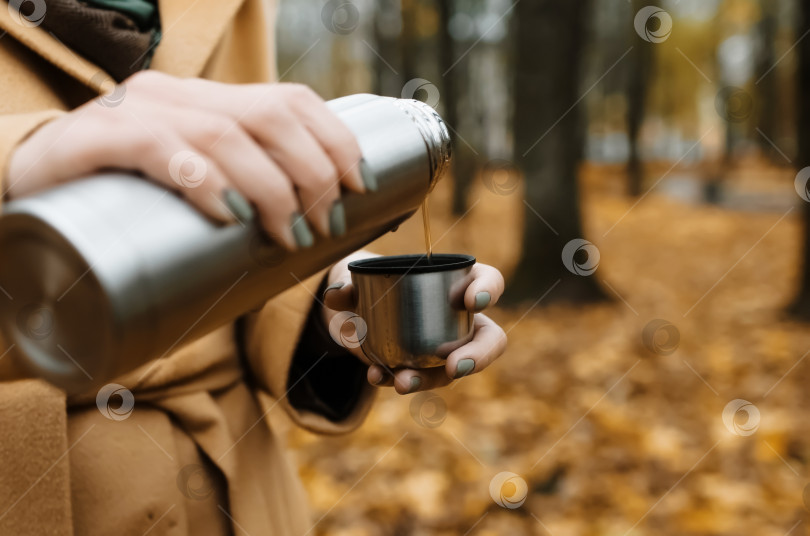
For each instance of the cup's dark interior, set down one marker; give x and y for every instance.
(412, 264)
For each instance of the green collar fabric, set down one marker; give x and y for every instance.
(143, 12)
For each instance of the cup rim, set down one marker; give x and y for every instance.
(409, 264)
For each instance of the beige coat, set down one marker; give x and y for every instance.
(197, 455)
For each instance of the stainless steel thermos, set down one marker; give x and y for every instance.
(113, 270)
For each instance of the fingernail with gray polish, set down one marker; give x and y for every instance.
(337, 219)
(300, 229)
(416, 383)
(369, 179)
(482, 299)
(464, 367)
(238, 204)
(334, 286)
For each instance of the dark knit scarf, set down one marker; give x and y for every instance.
(119, 36)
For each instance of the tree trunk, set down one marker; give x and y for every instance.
(464, 163)
(801, 306)
(408, 43)
(387, 61)
(446, 53)
(548, 147)
(767, 115)
(638, 78)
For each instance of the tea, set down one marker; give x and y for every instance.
(426, 226)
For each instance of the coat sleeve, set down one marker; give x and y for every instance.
(15, 128)
(321, 386)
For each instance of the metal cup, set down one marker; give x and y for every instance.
(413, 309)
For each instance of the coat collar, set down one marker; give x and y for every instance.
(53, 50)
(191, 29)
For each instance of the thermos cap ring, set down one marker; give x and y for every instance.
(434, 131)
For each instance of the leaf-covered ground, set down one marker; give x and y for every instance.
(612, 434)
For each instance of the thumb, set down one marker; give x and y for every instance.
(340, 296)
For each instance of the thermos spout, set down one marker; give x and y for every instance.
(434, 132)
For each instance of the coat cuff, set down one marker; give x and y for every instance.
(321, 387)
(14, 129)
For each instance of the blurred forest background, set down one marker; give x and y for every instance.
(639, 174)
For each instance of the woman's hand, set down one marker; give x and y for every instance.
(227, 148)
(488, 343)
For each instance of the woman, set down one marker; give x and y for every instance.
(197, 453)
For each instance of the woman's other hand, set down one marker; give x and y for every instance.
(487, 345)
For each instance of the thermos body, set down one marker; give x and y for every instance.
(114, 270)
